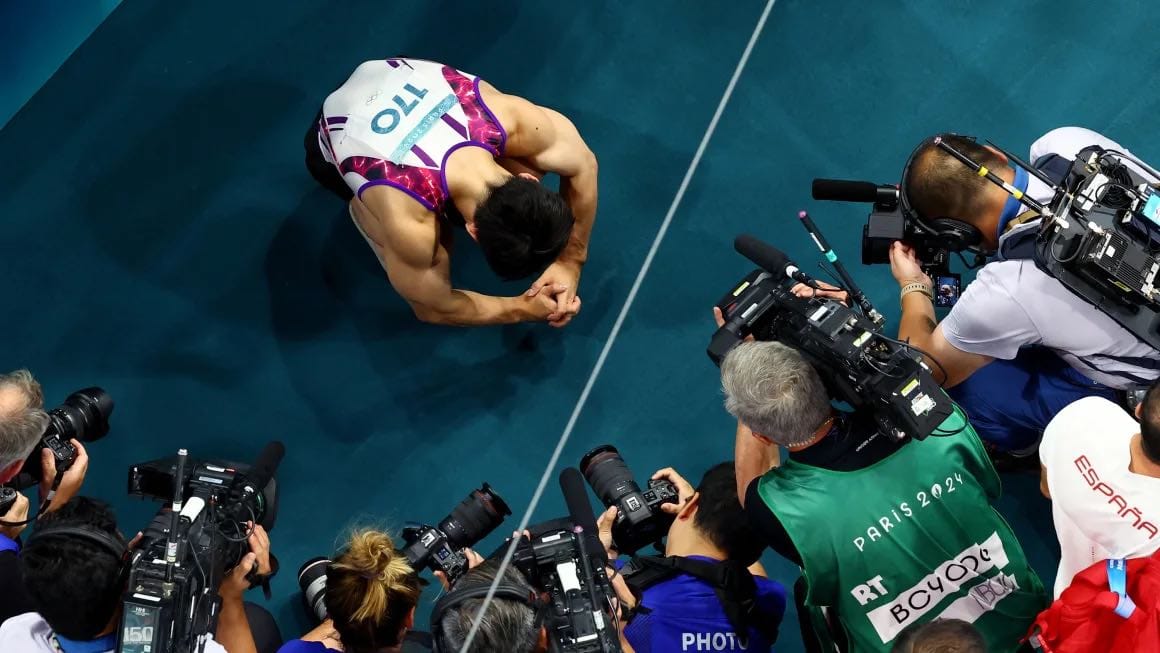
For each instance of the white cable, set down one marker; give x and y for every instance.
(644, 268)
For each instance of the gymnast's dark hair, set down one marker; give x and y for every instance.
(522, 227)
(74, 583)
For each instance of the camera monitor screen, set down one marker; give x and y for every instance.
(138, 625)
(947, 289)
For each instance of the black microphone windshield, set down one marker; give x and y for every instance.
(766, 256)
(579, 507)
(267, 463)
(844, 190)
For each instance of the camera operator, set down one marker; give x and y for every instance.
(682, 611)
(510, 626)
(22, 423)
(888, 533)
(1101, 469)
(75, 568)
(1018, 346)
(371, 594)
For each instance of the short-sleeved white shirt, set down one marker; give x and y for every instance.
(30, 633)
(1014, 304)
(1101, 509)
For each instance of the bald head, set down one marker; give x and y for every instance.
(940, 186)
(22, 417)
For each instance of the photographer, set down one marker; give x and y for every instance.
(1018, 346)
(22, 423)
(509, 626)
(74, 569)
(680, 611)
(371, 594)
(888, 533)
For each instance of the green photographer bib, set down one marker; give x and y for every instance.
(908, 540)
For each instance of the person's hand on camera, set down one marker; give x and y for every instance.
(824, 290)
(17, 512)
(70, 483)
(257, 561)
(685, 489)
(473, 560)
(719, 319)
(604, 531)
(905, 266)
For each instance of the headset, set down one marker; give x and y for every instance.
(951, 233)
(113, 544)
(458, 596)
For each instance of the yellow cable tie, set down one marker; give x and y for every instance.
(983, 171)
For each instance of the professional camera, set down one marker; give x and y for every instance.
(557, 560)
(564, 558)
(892, 220)
(7, 498)
(639, 518)
(83, 416)
(876, 375)
(171, 602)
(441, 547)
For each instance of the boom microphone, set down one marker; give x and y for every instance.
(770, 259)
(579, 506)
(266, 465)
(844, 190)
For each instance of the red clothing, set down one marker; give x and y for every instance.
(1083, 619)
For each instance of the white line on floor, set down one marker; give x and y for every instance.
(644, 268)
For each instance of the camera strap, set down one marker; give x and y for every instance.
(730, 580)
(43, 504)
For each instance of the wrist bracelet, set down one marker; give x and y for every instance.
(916, 287)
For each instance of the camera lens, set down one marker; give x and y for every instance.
(476, 516)
(312, 581)
(608, 474)
(84, 415)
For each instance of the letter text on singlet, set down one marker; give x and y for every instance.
(964, 569)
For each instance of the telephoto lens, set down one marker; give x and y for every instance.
(312, 581)
(639, 518)
(475, 517)
(83, 416)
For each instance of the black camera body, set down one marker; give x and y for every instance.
(171, 599)
(875, 375)
(884, 227)
(427, 546)
(561, 561)
(889, 221)
(639, 518)
(84, 416)
(7, 498)
(441, 547)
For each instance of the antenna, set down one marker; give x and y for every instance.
(983, 171)
(851, 286)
